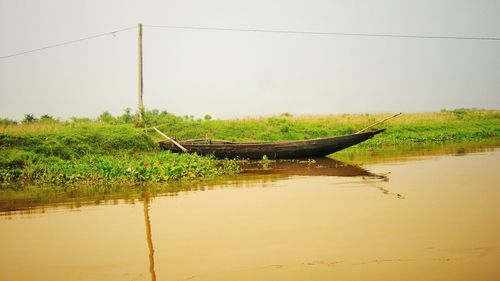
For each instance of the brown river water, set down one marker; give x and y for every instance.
(424, 215)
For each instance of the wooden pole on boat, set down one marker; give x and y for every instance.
(362, 130)
(170, 139)
(141, 105)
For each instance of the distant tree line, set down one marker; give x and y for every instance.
(150, 118)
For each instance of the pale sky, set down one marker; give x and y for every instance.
(231, 74)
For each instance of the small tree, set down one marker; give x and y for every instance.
(6, 121)
(29, 118)
(47, 117)
(207, 117)
(106, 117)
(126, 117)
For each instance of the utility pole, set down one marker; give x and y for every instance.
(141, 104)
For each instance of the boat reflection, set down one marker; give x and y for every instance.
(37, 200)
(307, 167)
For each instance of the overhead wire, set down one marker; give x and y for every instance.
(322, 33)
(254, 30)
(69, 42)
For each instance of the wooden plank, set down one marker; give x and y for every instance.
(171, 140)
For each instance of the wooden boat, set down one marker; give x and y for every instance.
(273, 150)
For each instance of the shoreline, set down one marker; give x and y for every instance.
(116, 152)
(33, 199)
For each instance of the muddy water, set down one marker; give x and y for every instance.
(428, 218)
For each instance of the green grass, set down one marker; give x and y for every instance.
(114, 150)
(458, 125)
(95, 153)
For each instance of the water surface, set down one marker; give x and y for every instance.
(426, 218)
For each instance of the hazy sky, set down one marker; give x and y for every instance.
(231, 74)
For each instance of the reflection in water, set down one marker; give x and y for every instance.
(318, 167)
(303, 228)
(410, 152)
(36, 200)
(148, 236)
(307, 167)
(384, 190)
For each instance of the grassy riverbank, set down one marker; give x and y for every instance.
(113, 150)
(457, 125)
(87, 153)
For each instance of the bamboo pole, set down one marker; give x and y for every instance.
(362, 130)
(141, 105)
(170, 139)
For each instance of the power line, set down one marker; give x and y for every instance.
(68, 42)
(322, 33)
(254, 30)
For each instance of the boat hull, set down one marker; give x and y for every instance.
(273, 150)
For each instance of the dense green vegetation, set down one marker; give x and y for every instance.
(122, 150)
(61, 153)
(454, 125)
